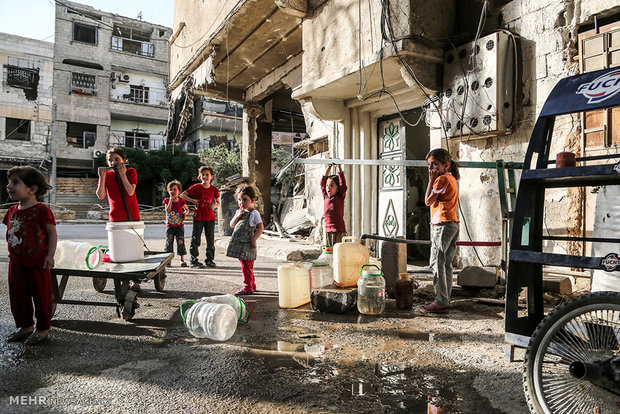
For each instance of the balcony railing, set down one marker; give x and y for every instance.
(137, 47)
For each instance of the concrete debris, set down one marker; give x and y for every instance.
(477, 277)
(333, 300)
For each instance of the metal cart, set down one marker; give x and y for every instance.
(572, 361)
(152, 267)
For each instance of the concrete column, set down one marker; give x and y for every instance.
(256, 153)
(251, 111)
(366, 182)
(355, 187)
(262, 152)
(374, 184)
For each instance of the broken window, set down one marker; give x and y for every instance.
(83, 84)
(600, 50)
(23, 78)
(130, 40)
(17, 129)
(134, 139)
(139, 94)
(80, 135)
(84, 33)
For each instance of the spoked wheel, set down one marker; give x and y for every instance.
(572, 362)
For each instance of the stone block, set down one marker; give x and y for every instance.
(393, 262)
(332, 299)
(557, 284)
(478, 277)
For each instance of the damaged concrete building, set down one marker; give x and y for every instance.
(390, 80)
(25, 105)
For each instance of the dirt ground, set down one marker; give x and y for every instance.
(283, 360)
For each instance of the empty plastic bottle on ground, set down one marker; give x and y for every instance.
(238, 304)
(371, 291)
(217, 321)
(77, 255)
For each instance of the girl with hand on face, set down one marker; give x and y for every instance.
(248, 226)
(442, 196)
(108, 185)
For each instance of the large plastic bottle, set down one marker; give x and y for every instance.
(371, 291)
(77, 255)
(321, 275)
(238, 304)
(403, 289)
(217, 321)
(293, 285)
(327, 255)
(349, 257)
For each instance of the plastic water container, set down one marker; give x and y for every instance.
(125, 240)
(321, 274)
(403, 289)
(77, 255)
(217, 321)
(371, 291)
(349, 257)
(293, 285)
(238, 304)
(327, 255)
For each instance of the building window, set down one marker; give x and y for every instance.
(135, 139)
(130, 40)
(17, 129)
(81, 135)
(84, 33)
(601, 129)
(22, 78)
(83, 84)
(139, 94)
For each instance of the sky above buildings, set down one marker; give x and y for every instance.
(35, 18)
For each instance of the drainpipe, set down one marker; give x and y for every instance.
(176, 33)
(54, 153)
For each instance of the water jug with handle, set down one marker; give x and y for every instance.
(321, 274)
(293, 285)
(77, 255)
(371, 291)
(217, 321)
(238, 304)
(327, 254)
(349, 257)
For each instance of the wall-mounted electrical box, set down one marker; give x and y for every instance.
(478, 97)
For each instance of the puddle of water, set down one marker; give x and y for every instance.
(402, 389)
(413, 334)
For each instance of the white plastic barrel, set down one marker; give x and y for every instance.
(217, 321)
(76, 255)
(125, 240)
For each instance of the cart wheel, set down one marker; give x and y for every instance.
(99, 283)
(129, 306)
(571, 363)
(160, 281)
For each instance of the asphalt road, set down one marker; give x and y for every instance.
(283, 360)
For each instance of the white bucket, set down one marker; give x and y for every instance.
(125, 240)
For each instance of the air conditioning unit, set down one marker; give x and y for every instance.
(123, 77)
(98, 153)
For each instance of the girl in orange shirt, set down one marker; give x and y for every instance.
(442, 196)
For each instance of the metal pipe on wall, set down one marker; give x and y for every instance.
(366, 184)
(355, 176)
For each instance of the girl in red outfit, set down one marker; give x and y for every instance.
(442, 195)
(31, 235)
(334, 190)
(108, 184)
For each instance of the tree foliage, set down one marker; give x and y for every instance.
(158, 167)
(225, 162)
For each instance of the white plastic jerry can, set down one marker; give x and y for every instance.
(293, 285)
(349, 257)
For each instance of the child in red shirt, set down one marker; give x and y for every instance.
(176, 209)
(31, 236)
(206, 197)
(108, 184)
(442, 196)
(334, 190)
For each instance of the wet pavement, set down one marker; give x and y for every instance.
(283, 360)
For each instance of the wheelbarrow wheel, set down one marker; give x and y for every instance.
(160, 281)
(572, 357)
(99, 283)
